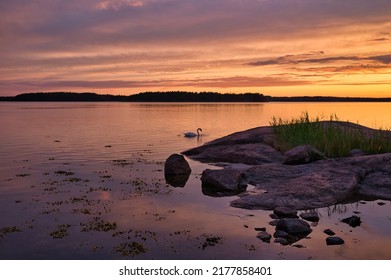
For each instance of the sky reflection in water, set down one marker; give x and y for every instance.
(85, 181)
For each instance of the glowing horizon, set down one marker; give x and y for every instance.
(274, 47)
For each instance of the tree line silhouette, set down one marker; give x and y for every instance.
(178, 96)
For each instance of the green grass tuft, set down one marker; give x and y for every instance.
(330, 137)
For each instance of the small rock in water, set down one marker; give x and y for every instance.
(282, 241)
(381, 203)
(260, 229)
(177, 170)
(176, 164)
(334, 240)
(311, 216)
(285, 212)
(273, 216)
(294, 227)
(329, 232)
(264, 236)
(353, 221)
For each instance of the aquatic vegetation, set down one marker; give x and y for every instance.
(62, 172)
(23, 175)
(73, 180)
(97, 224)
(130, 249)
(6, 230)
(121, 162)
(210, 241)
(60, 232)
(329, 137)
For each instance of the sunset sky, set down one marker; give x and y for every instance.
(275, 47)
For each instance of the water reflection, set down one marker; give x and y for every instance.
(100, 192)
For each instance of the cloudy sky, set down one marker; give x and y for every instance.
(276, 47)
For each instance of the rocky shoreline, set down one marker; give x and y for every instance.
(299, 179)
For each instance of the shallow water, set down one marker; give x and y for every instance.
(85, 181)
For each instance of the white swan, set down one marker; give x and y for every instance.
(192, 134)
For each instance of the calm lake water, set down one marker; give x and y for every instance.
(85, 181)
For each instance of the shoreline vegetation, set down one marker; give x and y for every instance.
(177, 96)
(334, 138)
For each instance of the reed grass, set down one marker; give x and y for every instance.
(327, 136)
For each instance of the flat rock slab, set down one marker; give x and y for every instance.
(253, 146)
(300, 187)
(246, 153)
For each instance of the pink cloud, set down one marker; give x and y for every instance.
(117, 4)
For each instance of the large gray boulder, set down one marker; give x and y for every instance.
(222, 182)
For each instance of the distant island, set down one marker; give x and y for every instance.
(177, 96)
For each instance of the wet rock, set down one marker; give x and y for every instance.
(329, 232)
(273, 216)
(222, 182)
(295, 227)
(260, 229)
(281, 241)
(281, 234)
(273, 223)
(176, 164)
(264, 236)
(334, 240)
(353, 221)
(177, 170)
(311, 216)
(302, 155)
(285, 212)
